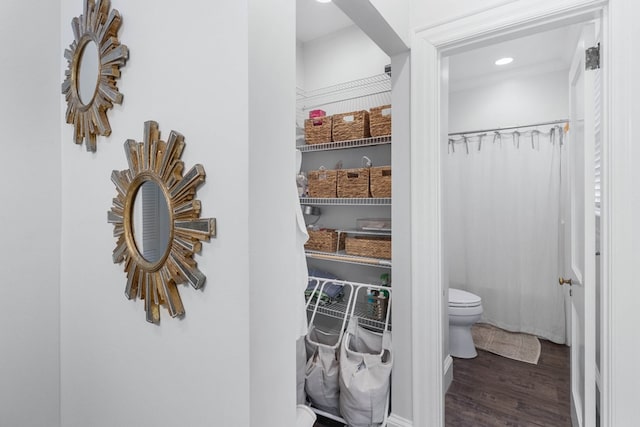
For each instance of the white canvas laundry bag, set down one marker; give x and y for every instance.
(301, 364)
(366, 360)
(322, 371)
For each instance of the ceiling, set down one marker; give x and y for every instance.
(314, 20)
(550, 50)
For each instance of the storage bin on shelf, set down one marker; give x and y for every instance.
(353, 125)
(380, 181)
(325, 240)
(322, 183)
(380, 120)
(369, 246)
(318, 130)
(353, 183)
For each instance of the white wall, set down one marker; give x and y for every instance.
(425, 13)
(299, 64)
(397, 14)
(273, 202)
(341, 57)
(512, 101)
(187, 71)
(30, 225)
(625, 200)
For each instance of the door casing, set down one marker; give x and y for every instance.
(428, 130)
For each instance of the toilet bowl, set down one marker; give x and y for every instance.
(465, 309)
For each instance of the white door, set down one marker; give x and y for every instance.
(579, 216)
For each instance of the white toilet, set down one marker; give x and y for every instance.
(465, 309)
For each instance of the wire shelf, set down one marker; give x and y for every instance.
(370, 201)
(349, 259)
(337, 310)
(339, 145)
(370, 86)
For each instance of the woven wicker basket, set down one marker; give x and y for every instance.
(369, 246)
(354, 125)
(380, 181)
(325, 240)
(322, 183)
(353, 183)
(318, 130)
(380, 120)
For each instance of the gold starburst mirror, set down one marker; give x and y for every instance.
(157, 224)
(94, 60)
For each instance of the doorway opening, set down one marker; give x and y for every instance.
(506, 195)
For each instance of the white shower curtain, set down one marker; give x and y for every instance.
(501, 231)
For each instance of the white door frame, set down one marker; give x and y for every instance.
(427, 133)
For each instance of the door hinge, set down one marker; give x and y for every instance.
(592, 55)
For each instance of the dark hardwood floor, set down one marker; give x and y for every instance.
(491, 390)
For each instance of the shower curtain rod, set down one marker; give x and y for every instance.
(554, 122)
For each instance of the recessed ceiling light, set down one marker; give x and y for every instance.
(504, 61)
(323, 1)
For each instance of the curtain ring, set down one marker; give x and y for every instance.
(497, 136)
(534, 133)
(482, 135)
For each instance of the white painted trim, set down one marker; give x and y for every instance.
(397, 421)
(426, 256)
(522, 17)
(448, 373)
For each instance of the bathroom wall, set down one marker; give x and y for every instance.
(219, 365)
(511, 100)
(30, 219)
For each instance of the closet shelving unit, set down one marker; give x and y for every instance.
(339, 145)
(371, 201)
(350, 96)
(350, 306)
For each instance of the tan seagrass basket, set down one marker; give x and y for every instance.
(318, 130)
(325, 240)
(380, 120)
(353, 125)
(380, 181)
(322, 183)
(369, 246)
(353, 183)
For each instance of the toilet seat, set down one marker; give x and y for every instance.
(461, 299)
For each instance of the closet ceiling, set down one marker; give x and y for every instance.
(314, 20)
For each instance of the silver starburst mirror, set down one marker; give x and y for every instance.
(94, 60)
(157, 224)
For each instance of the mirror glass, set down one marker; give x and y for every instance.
(88, 72)
(151, 226)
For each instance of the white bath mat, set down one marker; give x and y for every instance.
(517, 346)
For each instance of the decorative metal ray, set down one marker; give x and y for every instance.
(159, 162)
(99, 25)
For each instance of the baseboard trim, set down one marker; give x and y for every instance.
(448, 373)
(397, 421)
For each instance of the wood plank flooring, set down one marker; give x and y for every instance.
(491, 390)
